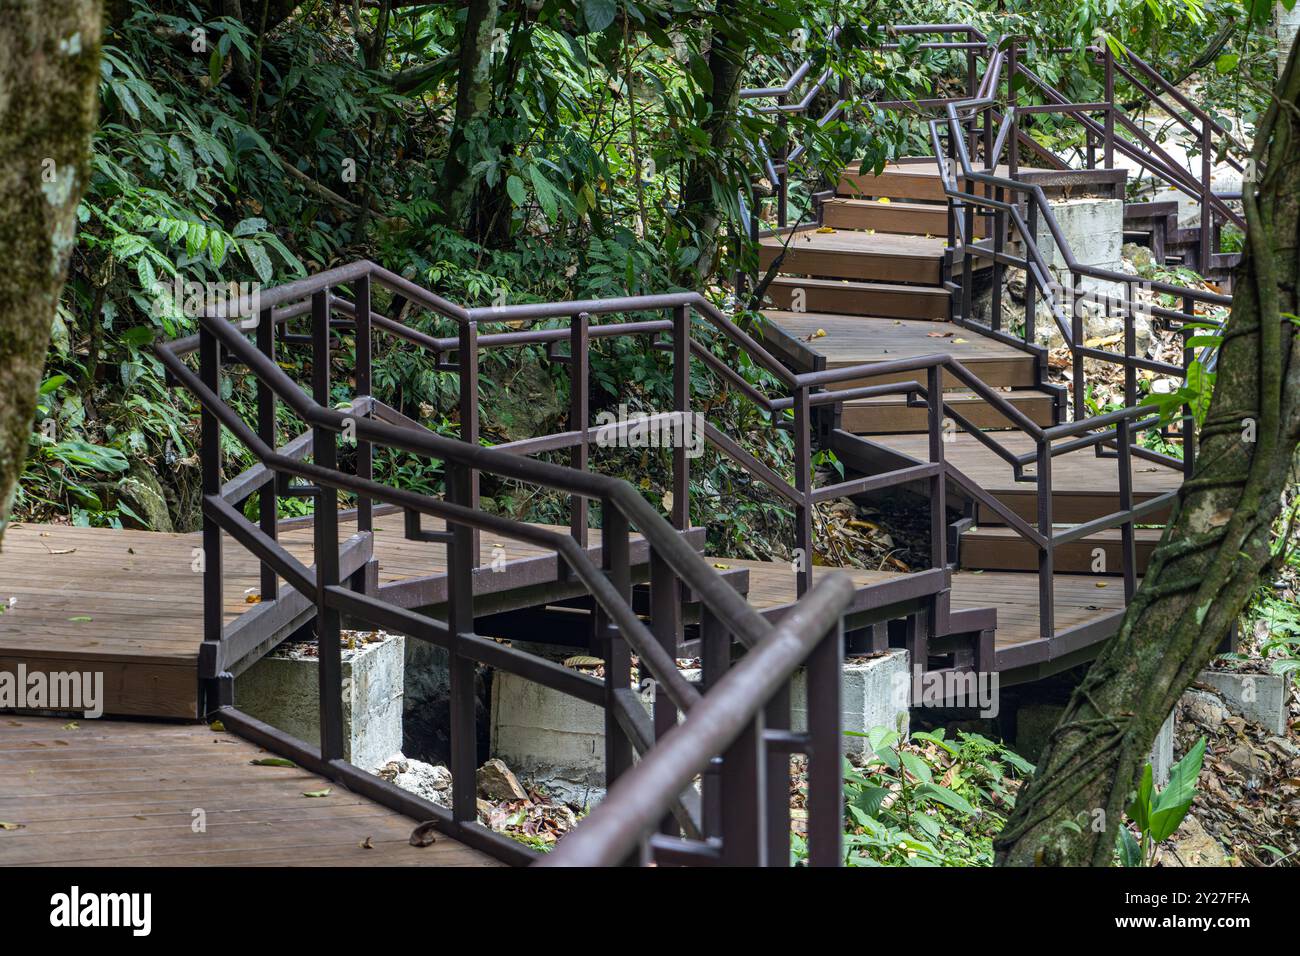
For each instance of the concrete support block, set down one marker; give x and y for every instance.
(283, 689)
(551, 738)
(559, 742)
(1260, 698)
(873, 693)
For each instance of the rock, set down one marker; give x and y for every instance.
(1252, 766)
(1204, 709)
(431, 782)
(141, 491)
(1193, 846)
(1144, 263)
(496, 782)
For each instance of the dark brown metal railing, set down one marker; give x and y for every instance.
(338, 585)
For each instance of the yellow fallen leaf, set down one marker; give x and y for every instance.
(959, 341)
(883, 199)
(825, 229)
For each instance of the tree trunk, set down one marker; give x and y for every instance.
(699, 213)
(49, 72)
(473, 100)
(1215, 550)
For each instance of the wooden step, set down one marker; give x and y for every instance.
(999, 548)
(854, 340)
(883, 299)
(845, 254)
(905, 218)
(1084, 486)
(890, 414)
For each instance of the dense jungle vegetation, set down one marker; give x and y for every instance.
(495, 151)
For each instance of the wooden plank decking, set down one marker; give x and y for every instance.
(129, 604)
(125, 793)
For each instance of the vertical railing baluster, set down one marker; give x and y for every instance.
(744, 790)
(776, 716)
(211, 561)
(462, 555)
(1128, 548)
(938, 483)
(783, 176)
(803, 512)
(1207, 197)
(681, 510)
(666, 625)
(1109, 148)
(611, 646)
(1031, 281)
(364, 388)
(715, 658)
(825, 801)
(1076, 343)
(1046, 557)
(268, 498)
(1013, 137)
(467, 358)
(325, 528)
(579, 417)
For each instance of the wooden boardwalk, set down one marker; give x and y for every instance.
(124, 793)
(129, 604)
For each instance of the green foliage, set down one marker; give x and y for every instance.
(1157, 814)
(930, 801)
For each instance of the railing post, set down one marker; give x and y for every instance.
(1077, 342)
(579, 417)
(681, 510)
(803, 512)
(462, 555)
(268, 498)
(210, 460)
(325, 528)
(364, 387)
(468, 360)
(938, 483)
(715, 658)
(744, 790)
(1128, 552)
(610, 644)
(1207, 195)
(1013, 145)
(666, 625)
(1031, 283)
(826, 761)
(782, 185)
(1046, 557)
(1108, 153)
(776, 819)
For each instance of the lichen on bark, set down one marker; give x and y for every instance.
(49, 71)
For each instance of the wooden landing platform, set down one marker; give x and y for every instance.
(125, 793)
(1086, 606)
(1083, 486)
(811, 339)
(129, 604)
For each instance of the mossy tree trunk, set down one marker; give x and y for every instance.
(1217, 546)
(473, 102)
(49, 70)
(700, 215)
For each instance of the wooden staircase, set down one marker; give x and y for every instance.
(865, 288)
